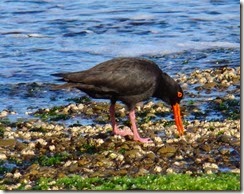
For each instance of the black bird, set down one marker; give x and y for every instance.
(130, 80)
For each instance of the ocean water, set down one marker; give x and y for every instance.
(41, 37)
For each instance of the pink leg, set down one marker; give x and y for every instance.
(114, 125)
(134, 129)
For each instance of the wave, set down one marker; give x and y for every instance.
(159, 48)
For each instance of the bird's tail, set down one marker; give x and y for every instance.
(60, 75)
(61, 78)
(63, 86)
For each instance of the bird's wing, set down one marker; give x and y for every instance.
(123, 80)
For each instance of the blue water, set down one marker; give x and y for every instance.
(41, 37)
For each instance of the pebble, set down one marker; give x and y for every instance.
(4, 113)
(120, 157)
(91, 149)
(52, 147)
(42, 141)
(17, 175)
(28, 187)
(158, 140)
(210, 168)
(27, 152)
(3, 157)
(68, 163)
(189, 172)
(236, 170)
(157, 169)
(170, 171)
(99, 142)
(113, 155)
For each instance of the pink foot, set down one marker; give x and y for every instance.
(127, 131)
(143, 140)
(135, 131)
(116, 130)
(123, 132)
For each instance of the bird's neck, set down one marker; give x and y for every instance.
(164, 87)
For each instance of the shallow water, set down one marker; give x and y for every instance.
(41, 37)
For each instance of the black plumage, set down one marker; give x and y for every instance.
(130, 80)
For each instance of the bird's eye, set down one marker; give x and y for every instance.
(179, 94)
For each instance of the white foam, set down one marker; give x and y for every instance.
(142, 17)
(158, 48)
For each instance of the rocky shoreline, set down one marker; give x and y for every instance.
(46, 146)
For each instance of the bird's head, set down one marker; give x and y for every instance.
(169, 90)
(176, 94)
(172, 93)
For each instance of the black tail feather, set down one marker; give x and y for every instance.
(61, 75)
(58, 74)
(63, 86)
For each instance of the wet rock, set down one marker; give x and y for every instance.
(209, 85)
(170, 171)
(167, 151)
(84, 161)
(7, 142)
(3, 156)
(224, 138)
(73, 168)
(224, 150)
(92, 150)
(157, 169)
(132, 154)
(17, 175)
(4, 113)
(206, 147)
(236, 170)
(28, 152)
(151, 155)
(210, 168)
(142, 171)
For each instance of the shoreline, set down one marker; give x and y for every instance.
(44, 147)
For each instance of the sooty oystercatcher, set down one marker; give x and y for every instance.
(129, 80)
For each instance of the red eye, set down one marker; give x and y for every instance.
(179, 94)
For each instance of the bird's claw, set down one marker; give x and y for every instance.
(143, 140)
(123, 132)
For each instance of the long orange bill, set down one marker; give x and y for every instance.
(178, 121)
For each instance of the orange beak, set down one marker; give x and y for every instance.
(178, 121)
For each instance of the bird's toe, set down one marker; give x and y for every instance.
(126, 131)
(143, 140)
